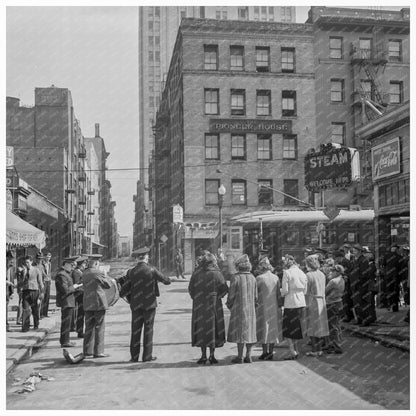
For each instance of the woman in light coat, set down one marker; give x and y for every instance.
(242, 298)
(316, 315)
(294, 286)
(269, 309)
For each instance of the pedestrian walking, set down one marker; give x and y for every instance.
(294, 287)
(79, 316)
(179, 263)
(32, 285)
(269, 309)
(9, 287)
(334, 291)
(65, 299)
(316, 315)
(241, 301)
(38, 262)
(20, 276)
(141, 290)
(95, 304)
(206, 287)
(47, 278)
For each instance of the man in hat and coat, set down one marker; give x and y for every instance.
(95, 305)
(141, 290)
(392, 263)
(65, 299)
(78, 318)
(47, 278)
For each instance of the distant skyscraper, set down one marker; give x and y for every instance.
(158, 27)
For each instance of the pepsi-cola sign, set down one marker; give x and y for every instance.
(330, 167)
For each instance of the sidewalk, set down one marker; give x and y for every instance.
(390, 329)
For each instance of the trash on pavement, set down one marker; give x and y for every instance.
(29, 384)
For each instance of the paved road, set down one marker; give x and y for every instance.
(367, 376)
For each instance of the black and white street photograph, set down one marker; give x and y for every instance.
(207, 206)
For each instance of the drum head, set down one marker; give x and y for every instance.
(112, 293)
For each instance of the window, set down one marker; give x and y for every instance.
(238, 192)
(211, 191)
(335, 48)
(290, 146)
(256, 12)
(337, 90)
(290, 187)
(238, 147)
(338, 133)
(212, 146)
(264, 147)
(150, 56)
(224, 15)
(288, 103)
(243, 13)
(157, 11)
(395, 50)
(211, 101)
(263, 103)
(288, 59)
(396, 91)
(238, 102)
(211, 57)
(218, 15)
(367, 88)
(150, 25)
(183, 14)
(237, 58)
(365, 48)
(262, 59)
(263, 13)
(265, 193)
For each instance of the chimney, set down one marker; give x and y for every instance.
(97, 130)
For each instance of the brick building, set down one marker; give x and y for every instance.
(238, 110)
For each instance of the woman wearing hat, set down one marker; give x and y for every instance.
(294, 286)
(206, 288)
(316, 316)
(268, 311)
(242, 299)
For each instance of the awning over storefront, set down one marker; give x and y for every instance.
(21, 233)
(303, 216)
(204, 228)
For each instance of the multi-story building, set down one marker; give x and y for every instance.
(124, 248)
(362, 60)
(238, 110)
(49, 155)
(158, 27)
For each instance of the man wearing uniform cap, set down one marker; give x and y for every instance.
(95, 304)
(65, 299)
(141, 290)
(78, 317)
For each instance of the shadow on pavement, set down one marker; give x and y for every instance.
(176, 311)
(185, 290)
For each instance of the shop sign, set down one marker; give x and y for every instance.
(177, 212)
(328, 168)
(249, 126)
(386, 159)
(9, 200)
(9, 157)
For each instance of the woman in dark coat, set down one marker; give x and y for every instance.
(206, 287)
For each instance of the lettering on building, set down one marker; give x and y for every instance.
(250, 126)
(386, 159)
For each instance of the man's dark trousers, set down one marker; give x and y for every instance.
(142, 318)
(66, 321)
(45, 301)
(30, 305)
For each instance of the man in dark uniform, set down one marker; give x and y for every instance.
(95, 305)
(392, 277)
(141, 290)
(343, 257)
(78, 317)
(65, 299)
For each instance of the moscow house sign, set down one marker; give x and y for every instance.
(230, 125)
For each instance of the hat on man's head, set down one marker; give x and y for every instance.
(358, 246)
(141, 251)
(94, 256)
(39, 255)
(81, 259)
(70, 259)
(366, 249)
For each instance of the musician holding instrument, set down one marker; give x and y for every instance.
(95, 304)
(141, 289)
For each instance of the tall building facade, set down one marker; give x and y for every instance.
(362, 61)
(158, 27)
(237, 110)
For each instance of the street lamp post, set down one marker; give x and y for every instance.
(221, 193)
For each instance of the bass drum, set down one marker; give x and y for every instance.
(112, 293)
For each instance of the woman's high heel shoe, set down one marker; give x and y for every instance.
(202, 360)
(213, 360)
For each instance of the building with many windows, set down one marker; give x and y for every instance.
(238, 110)
(158, 28)
(362, 66)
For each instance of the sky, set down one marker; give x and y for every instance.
(92, 51)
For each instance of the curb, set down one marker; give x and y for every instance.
(386, 341)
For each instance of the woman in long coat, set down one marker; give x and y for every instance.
(242, 299)
(316, 315)
(206, 287)
(269, 309)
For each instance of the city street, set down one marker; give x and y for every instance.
(366, 376)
